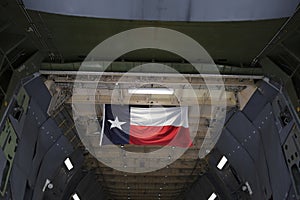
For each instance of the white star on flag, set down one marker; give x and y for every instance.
(116, 123)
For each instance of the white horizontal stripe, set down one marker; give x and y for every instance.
(159, 116)
(151, 91)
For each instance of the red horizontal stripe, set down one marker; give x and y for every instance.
(160, 135)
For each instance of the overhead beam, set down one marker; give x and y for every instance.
(116, 77)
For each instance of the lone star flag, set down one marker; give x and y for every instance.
(145, 126)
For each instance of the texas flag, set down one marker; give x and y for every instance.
(125, 124)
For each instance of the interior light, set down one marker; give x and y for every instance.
(222, 163)
(213, 196)
(75, 197)
(151, 91)
(68, 164)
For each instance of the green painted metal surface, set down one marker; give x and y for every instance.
(9, 138)
(8, 143)
(230, 42)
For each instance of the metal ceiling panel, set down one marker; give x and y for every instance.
(48, 135)
(254, 105)
(240, 160)
(26, 147)
(225, 175)
(50, 164)
(279, 175)
(268, 91)
(89, 189)
(66, 180)
(249, 138)
(36, 89)
(201, 189)
(169, 10)
(18, 180)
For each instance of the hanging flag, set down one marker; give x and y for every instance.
(145, 126)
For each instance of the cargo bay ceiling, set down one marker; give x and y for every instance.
(55, 37)
(67, 38)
